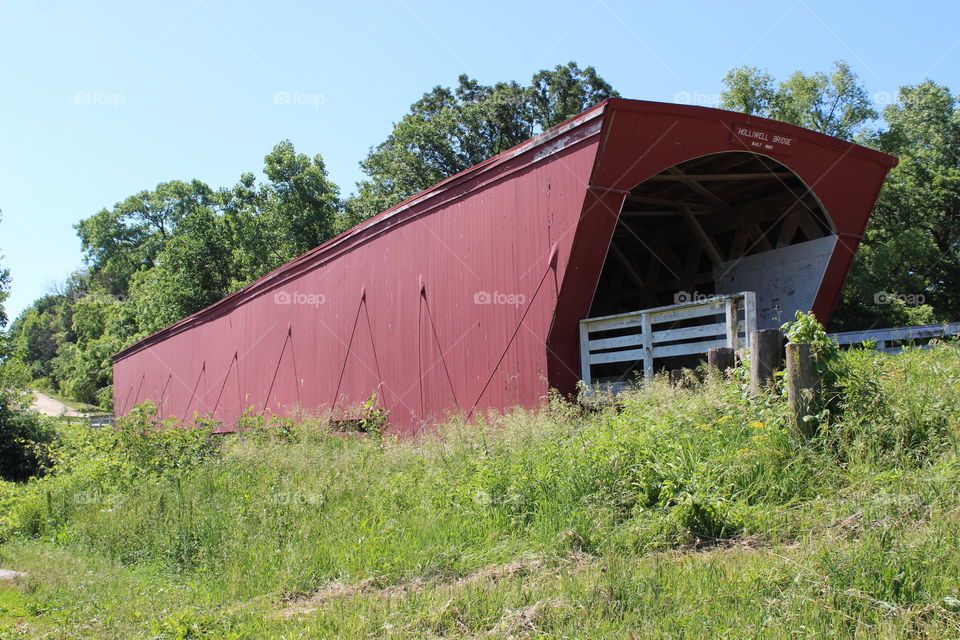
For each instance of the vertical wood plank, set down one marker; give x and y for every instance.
(749, 316)
(730, 309)
(647, 328)
(585, 353)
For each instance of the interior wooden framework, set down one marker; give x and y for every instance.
(678, 225)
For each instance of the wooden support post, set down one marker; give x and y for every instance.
(721, 358)
(802, 387)
(733, 323)
(766, 354)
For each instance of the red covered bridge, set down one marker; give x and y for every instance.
(471, 294)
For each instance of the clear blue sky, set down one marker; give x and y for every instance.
(104, 99)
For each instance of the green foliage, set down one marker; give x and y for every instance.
(38, 331)
(805, 328)
(121, 241)
(4, 294)
(23, 434)
(451, 129)
(375, 418)
(89, 467)
(564, 91)
(887, 265)
(898, 411)
(833, 103)
(911, 247)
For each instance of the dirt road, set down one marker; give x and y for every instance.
(51, 407)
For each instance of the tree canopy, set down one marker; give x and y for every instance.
(4, 294)
(912, 246)
(452, 129)
(834, 103)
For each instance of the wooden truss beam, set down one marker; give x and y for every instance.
(666, 202)
(628, 267)
(702, 237)
(698, 188)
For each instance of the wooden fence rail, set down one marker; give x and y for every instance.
(641, 337)
(892, 340)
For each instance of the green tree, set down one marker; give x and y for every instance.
(121, 241)
(302, 203)
(834, 103)
(4, 294)
(83, 367)
(192, 272)
(912, 245)
(20, 429)
(36, 333)
(451, 129)
(564, 91)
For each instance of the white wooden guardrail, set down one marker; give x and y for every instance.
(893, 340)
(637, 336)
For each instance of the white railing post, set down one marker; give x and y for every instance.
(585, 374)
(647, 328)
(749, 317)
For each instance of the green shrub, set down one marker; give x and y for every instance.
(900, 409)
(23, 436)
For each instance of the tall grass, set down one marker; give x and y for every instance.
(683, 512)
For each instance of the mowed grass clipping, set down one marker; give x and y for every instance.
(678, 513)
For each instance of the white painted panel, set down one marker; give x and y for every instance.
(786, 280)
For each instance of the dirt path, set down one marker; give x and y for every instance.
(51, 407)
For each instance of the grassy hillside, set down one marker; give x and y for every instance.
(682, 513)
